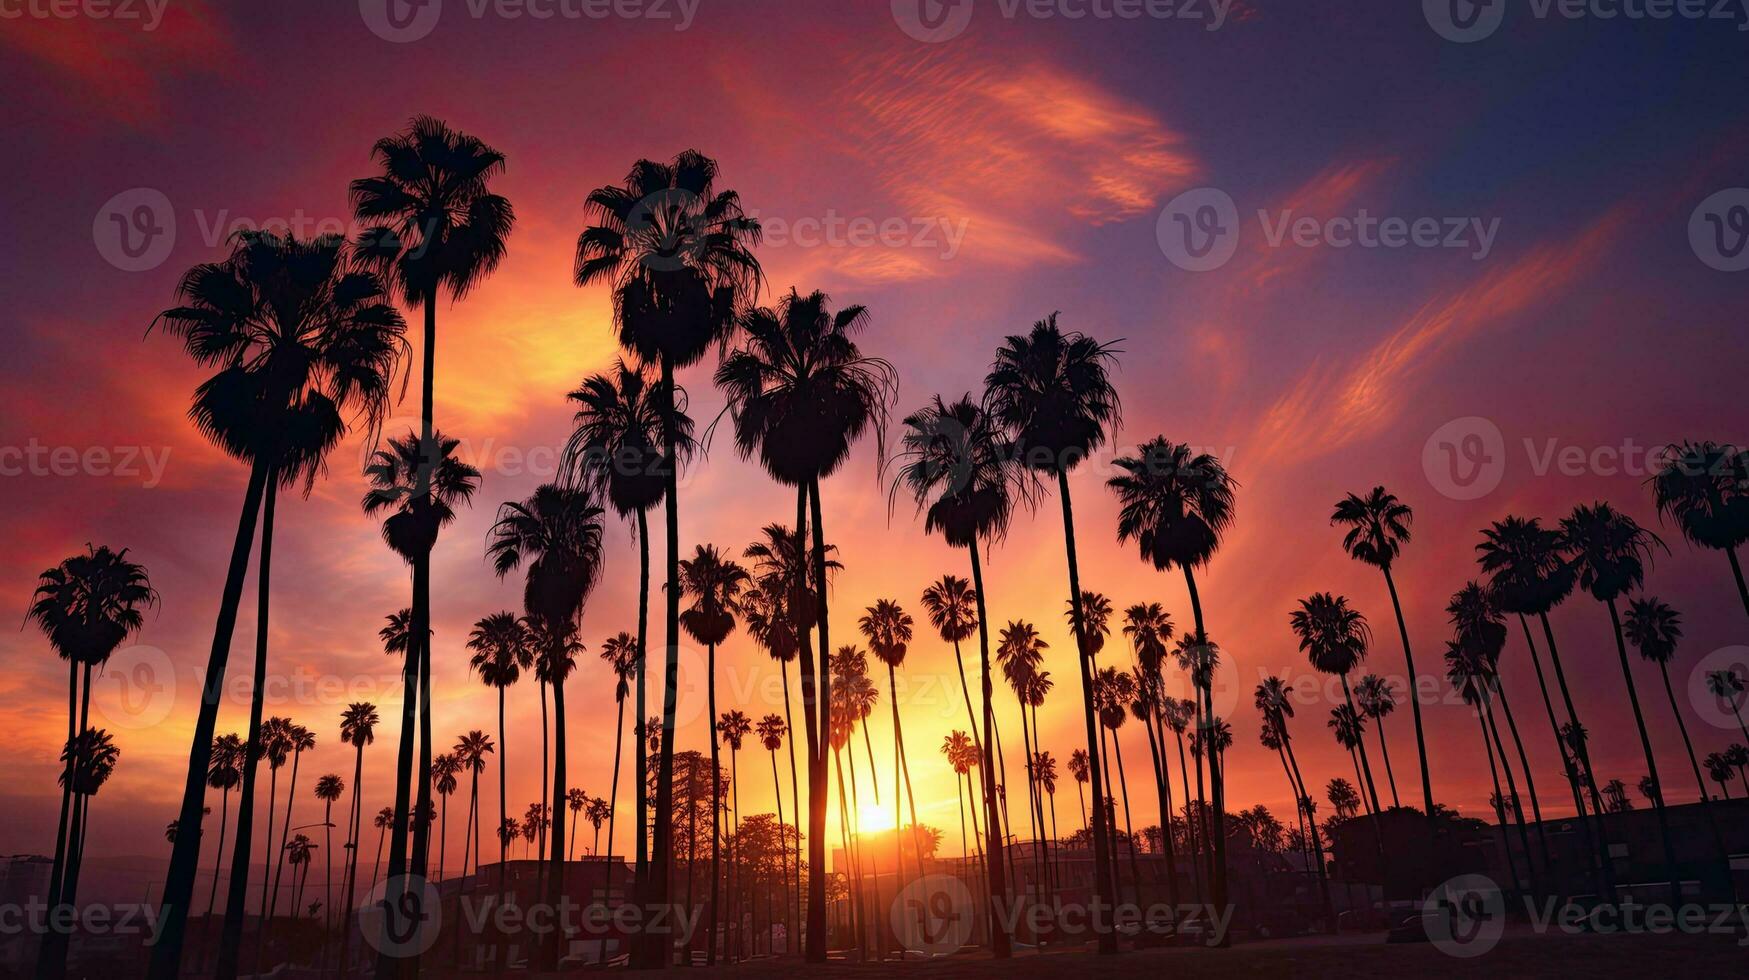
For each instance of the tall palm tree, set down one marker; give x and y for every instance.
(1078, 770)
(1113, 692)
(616, 448)
(714, 584)
(1176, 504)
(433, 226)
(624, 655)
(1720, 770)
(801, 393)
(1704, 488)
(771, 731)
(575, 801)
(733, 726)
(500, 643)
(1472, 672)
(87, 762)
(276, 743)
(1609, 552)
(444, 768)
(1274, 699)
(1376, 698)
(677, 253)
(1335, 638)
(384, 819)
(1378, 528)
(329, 788)
(224, 772)
(955, 465)
(1727, 686)
(1349, 728)
(1020, 653)
(555, 536)
(1180, 712)
(358, 729)
(888, 628)
(304, 347)
(300, 740)
(471, 750)
(1050, 393)
(1148, 627)
(1654, 629)
(952, 607)
(87, 606)
(1737, 755)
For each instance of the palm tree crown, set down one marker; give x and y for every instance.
(1174, 503)
(1378, 526)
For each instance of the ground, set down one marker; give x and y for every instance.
(1519, 954)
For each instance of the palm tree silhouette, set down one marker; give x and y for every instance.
(434, 226)
(1335, 638)
(1704, 488)
(1378, 527)
(471, 750)
(733, 726)
(1654, 629)
(304, 346)
(87, 606)
(299, 739)
(1720, 770)
(1180, 712)
(714, 583)
(384, 819)
(888, 628)
(500, 646)
(277, 741)
(1020, 652)
(1375, 698)
(1049, 393)
(443, 772)
(358, 729)
(1473, 665)
(1148, 627)
(1727, 686)
(224, 772)
(1737, 755)
(556, 533)
(87, 762)
(624, 655)
(954, 464)
(1609, 552)
(952, 607)
(575, 801)
(1113, 693)
(771, 731)
(1274, 700)
(1176, 504)
(329, 788)
(677, 253)
(801, 394)
(616, 449)
(1078, 770)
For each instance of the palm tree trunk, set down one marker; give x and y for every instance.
(1385, 750)
(503, 803)
(782, 850)
(1102, 886)
(1651, 763)
(1568, 763)
(1737, 573)
(327, 876)
(1542, 837)
(213, 892)
(51, 963)
(354, 838)
(1499, 799)
(1081, 795)
(268, 862)
(640, 763)
(619, 730)
(792, 934)
(1129, 827)
(387, 966)
(1305, 802)
(178, 889)
(545, 770)
(1189, 823)
(422, 798)
(1582, 751)
(817, 798)
(231, 938)
(1512, 796)
(291, 797)
(901, 774)
(660, 862)
(966, 692)
(1163, 799)
(1414, 703)
(1366, 765)
(1217, 777)
(554, 948)
(710, 946)
(1000, 941)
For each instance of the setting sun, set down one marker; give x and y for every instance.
(872, 819)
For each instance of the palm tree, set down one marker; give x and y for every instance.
(87, 762)
(298, 856)
(1020, 652)
(329, 788)
(471, 751)
(802, 393)
(575, 801)
(952, 607)
(1378, 528)
(677, 254)
(358, 729)
(954, 464)
(1609, 552)
(1113, 692)
(888, 629)
(1078, 770)
(1654, 629)
(556, 533)
(384, 819)
(624, 655)
(303, 346)
(714, 583)
(771, 730)
(1375, 698)
(1335, 638)
(299, 739)
(500, 645)
(1720, 770)
(1148, 627)
(1273, 698)
(616, 448)
(443, 772)
(733, 726)
(434, 226)
(1176, 504)
(86, 606)
(1737, 755)
(275, 744)
(1704, 488)
(1472, 672)
(1727, 686)
(1050, 394)
(224, 772)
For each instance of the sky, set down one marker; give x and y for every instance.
(1507, 296)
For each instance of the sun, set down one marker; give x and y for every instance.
(874, 819)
